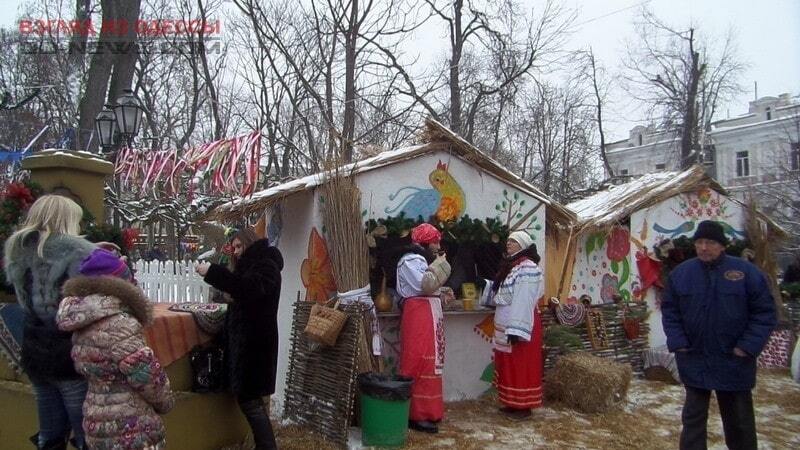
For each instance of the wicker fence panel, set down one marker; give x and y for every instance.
(321, 382)
(619, 348)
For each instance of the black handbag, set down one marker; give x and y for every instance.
(46, 352)
(208, 368)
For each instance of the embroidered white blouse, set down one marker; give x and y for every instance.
(515, 301)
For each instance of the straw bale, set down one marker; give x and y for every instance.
(588, 383)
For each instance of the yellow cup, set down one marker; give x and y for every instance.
(469, 290)
(469, 304)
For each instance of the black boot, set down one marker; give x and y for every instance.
(74, 444)
(423, 425)
(259, 422)
(52, 444)
(516, 414)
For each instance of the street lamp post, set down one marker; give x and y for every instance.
(105, 125)
(128, 113)
(119, 124)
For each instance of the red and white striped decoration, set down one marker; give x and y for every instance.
(223, 162)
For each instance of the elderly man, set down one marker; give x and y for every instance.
(717, 313)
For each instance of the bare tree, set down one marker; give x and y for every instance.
(681, 78)
(599, 88)
(112, 66)
(37, 62)
(487, 57)
(552, 137)
(328, 59)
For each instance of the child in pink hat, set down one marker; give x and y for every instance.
(128, 389)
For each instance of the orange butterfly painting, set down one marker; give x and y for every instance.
(316, 271)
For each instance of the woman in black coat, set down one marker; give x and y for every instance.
(253, 281)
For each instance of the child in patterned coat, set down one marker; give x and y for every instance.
(128, 389)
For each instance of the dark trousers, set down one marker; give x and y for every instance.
(738, 419)
(256, 415)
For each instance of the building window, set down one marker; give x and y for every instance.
(709, 153)
(794, 156)
(769, 113)
(660, 166)
(742, 164)
(640, 139)
(623, 172)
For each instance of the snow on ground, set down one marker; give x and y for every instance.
(650, 418)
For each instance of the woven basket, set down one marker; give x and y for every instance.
(324, 324)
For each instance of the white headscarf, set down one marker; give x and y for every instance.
(522, 238)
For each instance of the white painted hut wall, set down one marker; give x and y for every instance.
(467, 353)
(671, 214)
(298, 215)
(592, 271)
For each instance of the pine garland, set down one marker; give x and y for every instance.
(14, 204)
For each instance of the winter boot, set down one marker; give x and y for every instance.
(52, 444)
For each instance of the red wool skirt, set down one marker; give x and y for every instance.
(418, 360)
(518, 375)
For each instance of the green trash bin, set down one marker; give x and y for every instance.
(384, 409)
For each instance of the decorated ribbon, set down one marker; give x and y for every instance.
(229, 165)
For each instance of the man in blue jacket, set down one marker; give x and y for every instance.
(717, 313)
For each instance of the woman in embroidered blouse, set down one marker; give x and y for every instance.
(420, 274)
(515, 292)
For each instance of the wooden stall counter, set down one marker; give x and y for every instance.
(468, 351)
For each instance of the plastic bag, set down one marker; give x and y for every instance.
(385, 387)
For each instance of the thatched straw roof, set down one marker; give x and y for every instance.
(616, 204)
(434, 137)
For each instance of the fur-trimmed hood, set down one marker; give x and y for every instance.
(89, 299)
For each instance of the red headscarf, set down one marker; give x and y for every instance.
(425, 234)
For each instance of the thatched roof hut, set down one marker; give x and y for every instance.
(442, 175)
(616, 228)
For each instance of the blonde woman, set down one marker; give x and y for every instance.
(39, 258)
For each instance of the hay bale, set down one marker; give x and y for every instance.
(588, 383)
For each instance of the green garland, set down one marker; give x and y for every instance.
(564, 338)
(17, 199)
(465, 230)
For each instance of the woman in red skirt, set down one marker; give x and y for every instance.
(420, 274)
(518, 328)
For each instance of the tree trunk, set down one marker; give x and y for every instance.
(457, 44)
(329, 99)
(212, 91)
(348, 126)
(689, 134)
(599, 98)
(115, 52)
(78, 40)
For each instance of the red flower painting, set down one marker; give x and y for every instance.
(619, 244)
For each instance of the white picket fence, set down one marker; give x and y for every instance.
(171, 281)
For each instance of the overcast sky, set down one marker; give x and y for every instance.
(768, 37)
